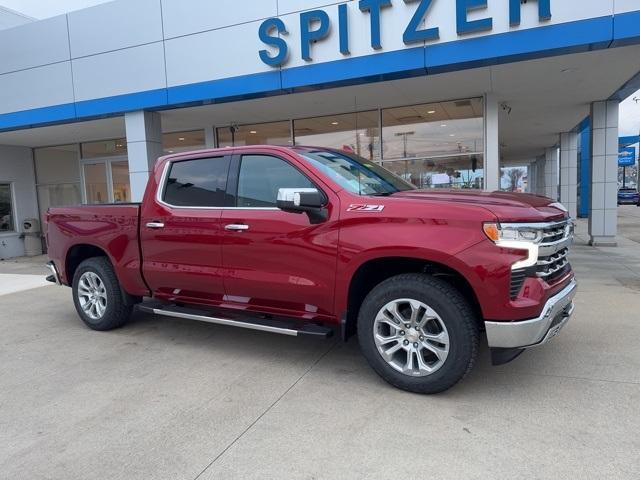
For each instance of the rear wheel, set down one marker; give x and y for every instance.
(97, 295)
(418, 333)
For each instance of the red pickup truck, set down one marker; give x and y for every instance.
(310, 241)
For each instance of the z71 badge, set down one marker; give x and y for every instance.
(365, 208)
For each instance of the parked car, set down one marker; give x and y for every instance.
(628, 196)
(312, 241)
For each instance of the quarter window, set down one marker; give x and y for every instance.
(261, 177)
(198, 183)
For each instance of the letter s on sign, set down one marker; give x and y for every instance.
(266, 28)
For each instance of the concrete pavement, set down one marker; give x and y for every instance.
(165, 398)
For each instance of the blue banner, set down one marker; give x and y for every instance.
(627, 157)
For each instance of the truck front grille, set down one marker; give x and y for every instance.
(552, 267)
(556, 232)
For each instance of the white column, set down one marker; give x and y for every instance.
(603, 215)
(532, 177)
(551, 173)
(540, 178)
(210, 137)
(144, 145)
(569, 172)
(491, 143)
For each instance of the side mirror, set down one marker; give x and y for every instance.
(303, 200)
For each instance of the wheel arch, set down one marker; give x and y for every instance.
(83, 251)
(374, 271)
(79, 253)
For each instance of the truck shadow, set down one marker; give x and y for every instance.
(332, 360)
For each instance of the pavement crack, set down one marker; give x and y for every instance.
(268, 409)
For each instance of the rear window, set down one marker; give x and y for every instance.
(200, 182)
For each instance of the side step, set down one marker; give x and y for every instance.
(272, 325)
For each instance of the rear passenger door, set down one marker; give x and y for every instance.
(181, 233)
(274, 261)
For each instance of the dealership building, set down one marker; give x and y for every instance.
(479, 94)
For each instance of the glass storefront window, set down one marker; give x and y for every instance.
(120, 180)
(95, 181)
(439, 145)
(7, 222)
(59, 195)
(179, 142)
(104, 148)
(351, 132)
(275, 133)
(57, 177)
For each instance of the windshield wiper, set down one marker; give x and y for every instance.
(383, 194)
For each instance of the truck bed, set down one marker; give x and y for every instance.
(112, 228)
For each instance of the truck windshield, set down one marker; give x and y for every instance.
(356, 174)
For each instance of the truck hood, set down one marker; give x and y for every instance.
(506, 206)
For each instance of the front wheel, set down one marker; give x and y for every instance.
(418, 333)
(97, 295)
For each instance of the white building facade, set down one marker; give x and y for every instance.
(447, 94)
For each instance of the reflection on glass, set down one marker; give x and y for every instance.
(179, 142)
(60, 195)
(351, 132)
(58, 164)
(275, 133)
(95, 180)
(447, 172)
(514, 179)
(437, 145)
(6, 208)
(354, 173)
(104, 148)
(120, 178)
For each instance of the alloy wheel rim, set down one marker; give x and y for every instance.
(411, 337)
(92, 295)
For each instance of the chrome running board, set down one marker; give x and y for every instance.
(279, 326)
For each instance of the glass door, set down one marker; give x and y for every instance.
(106, 181)
(120, 181)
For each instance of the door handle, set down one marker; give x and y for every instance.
(237, 227)
(155, 225)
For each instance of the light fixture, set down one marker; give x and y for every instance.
(431, 112)
(253, 132)
(170, 151)
(181, 139)
(335, 123)
(443, 125)
(452, 134)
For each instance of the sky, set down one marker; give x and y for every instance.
(629, 110)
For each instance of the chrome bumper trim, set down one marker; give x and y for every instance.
(54, 272)
(537, 331)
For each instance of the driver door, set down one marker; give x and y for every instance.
(274, 261)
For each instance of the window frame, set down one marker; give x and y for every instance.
(13, 212)
(234, 179)
(162, 186)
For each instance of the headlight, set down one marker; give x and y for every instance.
(517, 236)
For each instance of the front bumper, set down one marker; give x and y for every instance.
(537, 331)
(55, 276)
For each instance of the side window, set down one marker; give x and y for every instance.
(200, 182)
(261, 177)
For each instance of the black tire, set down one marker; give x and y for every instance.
(117, 312)
(454, 312)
